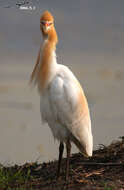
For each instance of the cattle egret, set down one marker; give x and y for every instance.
(63, 104)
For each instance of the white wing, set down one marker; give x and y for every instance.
(70, 107)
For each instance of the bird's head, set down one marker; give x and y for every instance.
(46, 22)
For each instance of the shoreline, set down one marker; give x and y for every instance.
(104, 171)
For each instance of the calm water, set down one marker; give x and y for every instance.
(91, 43)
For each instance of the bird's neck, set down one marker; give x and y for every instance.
(47, 62)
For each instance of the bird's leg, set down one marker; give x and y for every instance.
(61, 148)
(68, 149)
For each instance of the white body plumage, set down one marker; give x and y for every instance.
(60, 108)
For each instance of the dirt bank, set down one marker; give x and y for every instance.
(105, 170)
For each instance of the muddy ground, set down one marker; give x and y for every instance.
(104, 170)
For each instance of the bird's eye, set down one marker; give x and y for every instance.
(43, 23)
(50, 23)
(46, 23)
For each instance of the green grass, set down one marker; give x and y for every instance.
(17, 188)
(10, 177)
(107, 187)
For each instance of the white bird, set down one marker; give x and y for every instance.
(63, 104)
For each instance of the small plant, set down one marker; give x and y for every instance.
(107, 187)
(12, 176)
(17, 188)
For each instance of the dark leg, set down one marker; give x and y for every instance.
(61, 148)
(68, 148)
